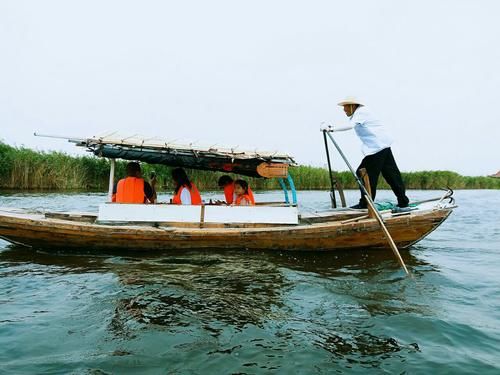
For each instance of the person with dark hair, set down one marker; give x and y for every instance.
(185, 191)
(376, 146)
(242, 198)
(227, 184)
(133, 188)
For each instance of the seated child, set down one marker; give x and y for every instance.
(241, 194)
(227, 184)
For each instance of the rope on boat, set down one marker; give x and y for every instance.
(448, 195)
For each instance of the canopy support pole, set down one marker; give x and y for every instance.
(292, 188)
(371, 204)
(112, 163)
(332, 183)
(285, 190)
(333, 179)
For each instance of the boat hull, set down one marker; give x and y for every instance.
(37, 230)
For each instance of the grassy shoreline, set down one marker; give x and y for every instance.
(26, 169)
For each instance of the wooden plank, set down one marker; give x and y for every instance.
(366, 182)
(148, 213)
(83, 217)
(251, 214)
(137, 213)
(202, 216)
(272, 170)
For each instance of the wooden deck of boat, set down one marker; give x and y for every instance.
(69, 230)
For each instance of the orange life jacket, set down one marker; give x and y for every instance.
(239, 198)
(230, 196)
(130, 190)
(195, 195)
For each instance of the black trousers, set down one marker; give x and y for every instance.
(383, 162)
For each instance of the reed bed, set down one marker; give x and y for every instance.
(23, 168)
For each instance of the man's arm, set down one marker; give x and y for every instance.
(149, 192)
(342, 128)
(153, 186)
(113, 197)
(332, 128)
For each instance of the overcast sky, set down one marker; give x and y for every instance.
(257, 74)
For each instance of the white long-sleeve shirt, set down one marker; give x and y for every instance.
(185, 196)
(369, 129)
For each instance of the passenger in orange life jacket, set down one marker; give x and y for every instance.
(226, 182)
(242, 198)
(185, 191)
(133, 188)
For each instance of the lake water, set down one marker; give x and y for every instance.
(225, 312)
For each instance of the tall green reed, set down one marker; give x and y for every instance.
(23, 168)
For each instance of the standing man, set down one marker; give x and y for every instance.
(376, 146)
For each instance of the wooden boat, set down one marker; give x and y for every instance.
(325, 232)
(271, 225)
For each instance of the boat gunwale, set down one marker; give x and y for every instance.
(181, 228)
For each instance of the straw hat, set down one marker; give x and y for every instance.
(350, 100)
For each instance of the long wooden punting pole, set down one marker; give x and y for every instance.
(370, 202)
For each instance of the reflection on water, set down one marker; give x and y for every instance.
(212, 292)
(254, 312)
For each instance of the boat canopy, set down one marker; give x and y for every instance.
(212, 158)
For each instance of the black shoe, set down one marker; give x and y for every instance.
(358, 207)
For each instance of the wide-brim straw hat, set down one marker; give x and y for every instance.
(350, 100)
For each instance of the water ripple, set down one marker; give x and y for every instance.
(212, 312)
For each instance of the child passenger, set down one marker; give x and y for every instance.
(241, 193)
(227, 184)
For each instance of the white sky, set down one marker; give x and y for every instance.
(257, 74)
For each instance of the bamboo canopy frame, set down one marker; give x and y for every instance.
(155, 150)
